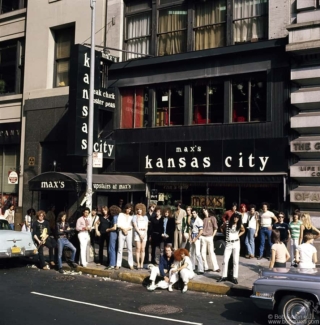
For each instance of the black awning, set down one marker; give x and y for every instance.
(214, 179)
(57, 181)
(77, 182)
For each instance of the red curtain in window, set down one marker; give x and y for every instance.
(127, 98)
(139, 114)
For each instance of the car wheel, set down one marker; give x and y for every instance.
(296, 311)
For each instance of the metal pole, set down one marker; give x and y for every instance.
(91, 107)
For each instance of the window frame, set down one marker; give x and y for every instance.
(21, 5)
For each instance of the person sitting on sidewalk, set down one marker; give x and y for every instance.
(279, 251)
(182, 267)
(306, 254)
(165, 263)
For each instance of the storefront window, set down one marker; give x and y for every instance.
(208, 102)
(172, 31)
(170, 106)
(210, 24)
(249, 99)
(134, 107)
(250, 20)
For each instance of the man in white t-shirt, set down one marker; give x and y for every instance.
(265, 222)
(306, 254)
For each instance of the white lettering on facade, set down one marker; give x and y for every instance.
(53, 184)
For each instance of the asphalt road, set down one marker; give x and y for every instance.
(29, 296)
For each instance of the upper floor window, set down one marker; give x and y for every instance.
(11, 5)
(249, 98)
(11, 66)
(250, 20)
(210, 24)
(172, 30)
(134, 107)
(64, 39)
(138, 28)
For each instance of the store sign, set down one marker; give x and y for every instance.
(209, 201)
(305, 196)
(12, 178)
(106, 186)
(97, 158)
(305, 146)
(53, 185)
(79, 103)
(305, 171)
(248, 155)
(10, 133)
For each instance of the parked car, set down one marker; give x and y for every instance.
(292, 294)
(15, 243)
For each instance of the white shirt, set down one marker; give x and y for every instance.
(124, 221)
(252, 222)
(196, 224)
(244, 217)
(266, 218)
(306, 252)
(188, 261)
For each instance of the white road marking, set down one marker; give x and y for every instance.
(114, 309)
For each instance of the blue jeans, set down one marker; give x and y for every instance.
(11, 226)
(249, 241)
(264, 231)
(64, 242)
(112, 249)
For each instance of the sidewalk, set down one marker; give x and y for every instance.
(248, 273)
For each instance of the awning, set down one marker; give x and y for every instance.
(238, 178)
(77, 182)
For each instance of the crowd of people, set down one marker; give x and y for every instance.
(181, 240)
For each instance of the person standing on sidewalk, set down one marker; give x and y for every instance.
(150, 215)
(229, 213)
(283, 228)
(233, 230)
(9, 216)
(102, 225)
(113, 237)
(165, 264)
(210, 228)
(279, 251)
(306, 253)
(83, 227)
(252, 231)
(125, 235)
(140, 223)
(265, 223)
(244, 220)
(307, 227)
(93, 235)
(196, 229)
(294, 228)
(179, 214)
(156, 226)
(63, 230)
(186, 228)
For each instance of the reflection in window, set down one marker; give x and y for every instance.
(210, 22)
(172, 31)
(249, 99)
(250, 20)
(134, 108)
(64, 40)
(170, 106)
(208, 102)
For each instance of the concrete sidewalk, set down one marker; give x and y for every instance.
(248, 273)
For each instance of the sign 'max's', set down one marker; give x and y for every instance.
(104, 99)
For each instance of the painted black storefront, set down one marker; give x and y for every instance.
(261, 138)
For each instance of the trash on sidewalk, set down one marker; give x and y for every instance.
(31, 266)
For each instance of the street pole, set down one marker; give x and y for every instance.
(91, 108)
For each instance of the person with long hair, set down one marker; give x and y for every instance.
(125, 235)
(28, 220)
(63, 230)
(306, 253)
(156, 226)
(252, 231)
(102, 225)
(233, 230)
(307, 227)
(244, 219)
(279, 251)
(179, 214)
(182, 266)
(294, 228)
(186, 228)
(140, 223)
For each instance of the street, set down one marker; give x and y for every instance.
(29, 296)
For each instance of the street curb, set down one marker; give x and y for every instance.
(139, 278)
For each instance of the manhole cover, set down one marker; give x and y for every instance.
(160, 309)
(64, 278)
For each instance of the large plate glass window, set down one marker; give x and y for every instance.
(249, 98)
(172, 30)
(170, 106)
(138, 28)
(208, 102)
(250, 20)
(210, 24)
(134, 107)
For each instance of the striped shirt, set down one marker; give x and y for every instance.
(295, 229)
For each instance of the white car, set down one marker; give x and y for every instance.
(15, 243)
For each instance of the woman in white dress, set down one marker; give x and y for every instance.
(28, 220)
(140, 223)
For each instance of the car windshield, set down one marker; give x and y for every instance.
(4, 225)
